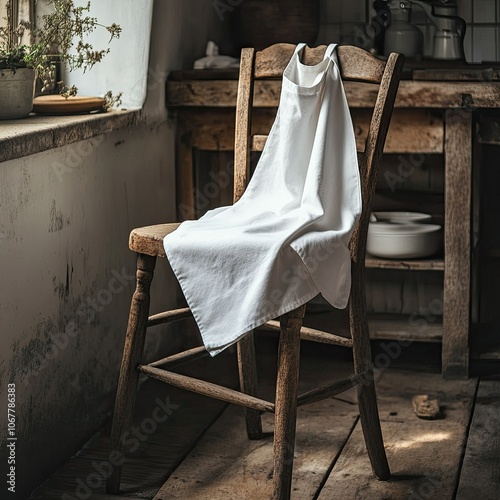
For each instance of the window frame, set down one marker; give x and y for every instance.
(22, 10)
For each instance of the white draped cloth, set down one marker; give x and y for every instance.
(286, 239)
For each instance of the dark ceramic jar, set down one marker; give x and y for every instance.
(261, 23)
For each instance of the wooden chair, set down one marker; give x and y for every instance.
(355, 64)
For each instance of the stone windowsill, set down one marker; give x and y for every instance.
(38, 133)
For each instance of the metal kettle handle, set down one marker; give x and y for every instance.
(461, 27)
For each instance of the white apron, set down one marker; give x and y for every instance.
(286, 239)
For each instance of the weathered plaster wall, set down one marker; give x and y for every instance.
(67, 273)
(67, 283)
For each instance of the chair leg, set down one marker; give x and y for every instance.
(367, 398)
(132, 352)
(286, 402)
(247, 368)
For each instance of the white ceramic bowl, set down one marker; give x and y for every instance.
(402, 217)
(403, 241)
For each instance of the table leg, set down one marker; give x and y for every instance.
(457, 241)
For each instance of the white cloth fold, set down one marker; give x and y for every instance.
(213, 59)
(286, 239)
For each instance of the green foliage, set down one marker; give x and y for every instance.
(14, 59)
(60, 35)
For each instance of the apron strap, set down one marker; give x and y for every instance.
(299, 48)
(331, 52)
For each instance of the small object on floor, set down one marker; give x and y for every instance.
(424, 407)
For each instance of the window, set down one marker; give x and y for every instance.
(20, 10)
(125, 68)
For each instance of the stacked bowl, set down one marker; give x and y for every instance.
(403, 235)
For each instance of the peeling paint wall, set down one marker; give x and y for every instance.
(67, 281)
(67, 274)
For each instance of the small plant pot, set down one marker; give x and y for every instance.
(16, 92)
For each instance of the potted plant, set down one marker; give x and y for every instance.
(60, 35)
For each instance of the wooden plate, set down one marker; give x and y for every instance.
(58, 105)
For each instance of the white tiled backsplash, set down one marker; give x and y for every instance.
(345, 20)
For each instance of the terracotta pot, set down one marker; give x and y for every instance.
(261, 22)
(16, 93)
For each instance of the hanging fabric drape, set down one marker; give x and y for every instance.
(286, 239)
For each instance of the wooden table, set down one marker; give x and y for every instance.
(430, 117)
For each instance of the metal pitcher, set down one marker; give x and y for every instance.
(448, 42)
(401, 36)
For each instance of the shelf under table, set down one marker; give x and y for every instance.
(435, 264)
(404, 327)
(386, 326)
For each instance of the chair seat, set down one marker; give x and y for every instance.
(149, 239)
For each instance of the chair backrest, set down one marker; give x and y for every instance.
(355, 65)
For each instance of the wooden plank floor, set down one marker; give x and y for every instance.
(154, 449)
(457, 456)
(481, 466)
